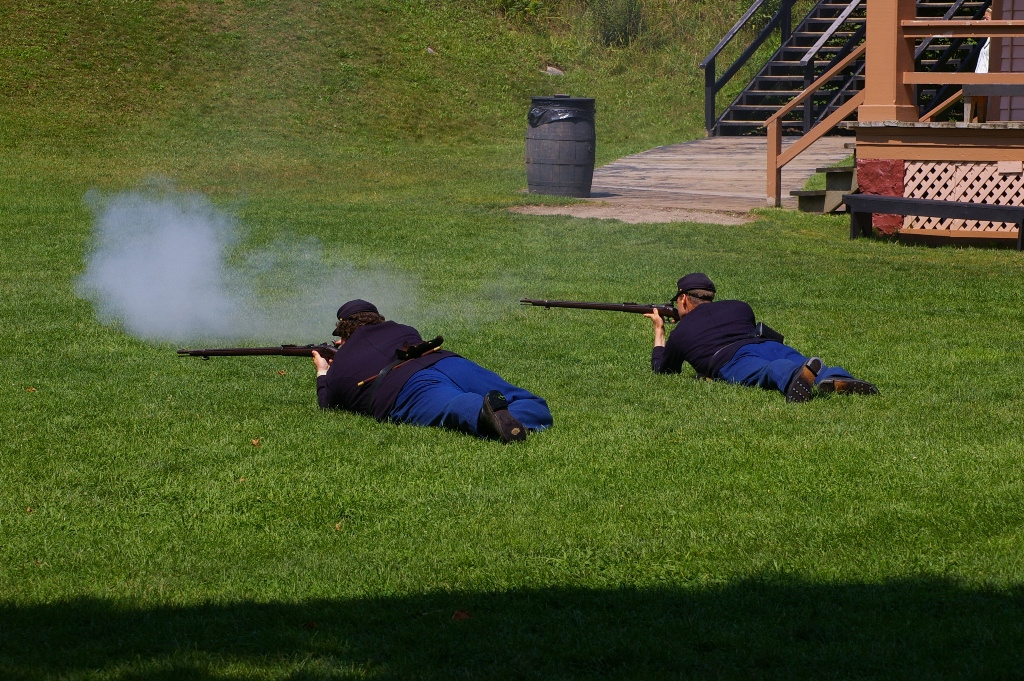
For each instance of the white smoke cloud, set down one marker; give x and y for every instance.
(159, 267)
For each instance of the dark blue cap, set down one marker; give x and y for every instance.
(354, 307)
(695, 280)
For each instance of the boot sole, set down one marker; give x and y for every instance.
(847, 387)
(506, 427)
(802, 386)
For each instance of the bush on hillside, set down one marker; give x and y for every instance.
(619, 22)
(525, 10)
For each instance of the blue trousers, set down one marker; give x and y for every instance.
(450, 394)
(770, 365)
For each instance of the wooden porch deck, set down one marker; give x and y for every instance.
(715, 173)
(716, 180)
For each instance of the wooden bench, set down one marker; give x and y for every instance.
(862, 206)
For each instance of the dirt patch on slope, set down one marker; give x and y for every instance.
(638, 214)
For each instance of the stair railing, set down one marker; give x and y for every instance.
(807, 61)
(781, 19)
(947, 54)
(850, 80)
(928, 116)
(950, 13)
(776, 158)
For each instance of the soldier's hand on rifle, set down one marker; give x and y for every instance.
(659, 327)
(321, 364)
(655, 316)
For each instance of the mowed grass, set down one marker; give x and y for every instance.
(164, 517)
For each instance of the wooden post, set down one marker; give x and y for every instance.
(774, 188)
(709, 98)
(889, 55)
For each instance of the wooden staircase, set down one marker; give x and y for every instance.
(839, 180)
(829, 32)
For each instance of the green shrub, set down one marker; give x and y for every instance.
(618, 22)
(525, 10)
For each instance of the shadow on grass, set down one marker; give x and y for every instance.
(913, 628)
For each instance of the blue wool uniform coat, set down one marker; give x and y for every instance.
(367, 351)
(707, 337)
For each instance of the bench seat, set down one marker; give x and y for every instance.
(862, 206)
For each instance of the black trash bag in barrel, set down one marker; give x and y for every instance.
(560, 145)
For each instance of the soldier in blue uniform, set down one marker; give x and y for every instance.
(386, 370)
(721, 340)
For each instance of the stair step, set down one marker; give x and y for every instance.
(753, 107)
(814, 35)
(778, 83)
(805, 42)
(809, 201)
(796, 73)
(797, 54)
(833, 10)
(784, 94)
(828, 21)
(794, 66)
(761, 120)
(783, 77)
(820, 200)
(830, 17)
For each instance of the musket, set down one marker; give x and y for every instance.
(326, 350)
(667, 310)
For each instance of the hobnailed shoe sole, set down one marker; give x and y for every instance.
(503, 425)
(801, 388)
(847, 386)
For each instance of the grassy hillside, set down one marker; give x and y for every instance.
(164, 517)
(339, 70)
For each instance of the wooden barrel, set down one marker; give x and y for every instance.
(560, 145)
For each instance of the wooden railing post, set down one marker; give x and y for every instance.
(889, 55)
(709, 97)
(786, 28)
(809, 101)
(774, 189)
(776, 159)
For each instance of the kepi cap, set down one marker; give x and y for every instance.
(354, 307)
(695, 280)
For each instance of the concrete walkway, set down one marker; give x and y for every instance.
(717, 179)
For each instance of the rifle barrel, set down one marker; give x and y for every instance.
(665, 309)
(326, 350)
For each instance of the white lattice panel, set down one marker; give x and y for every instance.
(974, 182)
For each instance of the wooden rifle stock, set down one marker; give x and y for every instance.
(326, 350)
(666, 310)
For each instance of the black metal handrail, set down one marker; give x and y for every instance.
(944, 91)
(782, 19)
(807, 61)
(812, 51)
(815, 108)
(845, 88)
(950, 13)
(844, 92)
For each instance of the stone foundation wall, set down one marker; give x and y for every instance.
(883, 177)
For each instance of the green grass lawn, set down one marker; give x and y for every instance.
(164, 517)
